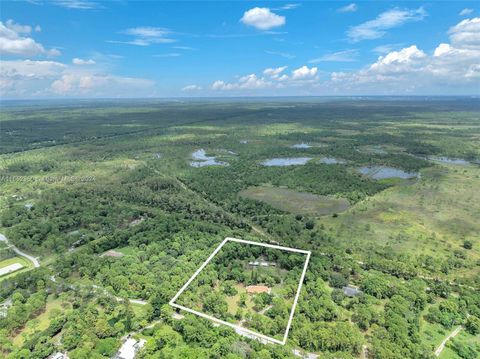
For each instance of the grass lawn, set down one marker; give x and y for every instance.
(138, 309)
(296, 202)
(233, 301)
(24, 262)
(433, 334)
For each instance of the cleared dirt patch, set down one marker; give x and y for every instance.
(296, 202)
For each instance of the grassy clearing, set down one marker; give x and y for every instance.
(233, 301)
(128, 251)
(433, 334)
(139, 309)
(296, 202)
(41, 322)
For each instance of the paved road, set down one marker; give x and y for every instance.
(440, 348)
(32, 259)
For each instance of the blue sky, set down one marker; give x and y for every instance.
(83, 48)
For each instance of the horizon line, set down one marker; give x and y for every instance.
(475, 96)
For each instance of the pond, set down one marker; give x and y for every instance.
(383, 172)
(449, 160)
(202, 160)
(288, 161)
(301, 145)
(331, 160)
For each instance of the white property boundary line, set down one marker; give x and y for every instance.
(239, 329)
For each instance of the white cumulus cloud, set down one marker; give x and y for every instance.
(18, 28)
(272, 78)
(466, 33)
(13, 41)
(31, 69)
(304, 72)
(251, 82)
(274, 72)
(28, 78)
(95, 84)
(399, 61)
(453, 66)
(222, 85)
(262, 18)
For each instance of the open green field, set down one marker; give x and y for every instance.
(7, 262)
(296, 202)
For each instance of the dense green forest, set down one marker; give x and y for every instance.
(83, 181)
(221, 289)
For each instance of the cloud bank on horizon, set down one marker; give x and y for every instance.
(237, 49)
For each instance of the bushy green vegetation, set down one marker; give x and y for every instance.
(78, 181)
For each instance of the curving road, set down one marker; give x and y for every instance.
(32, 259)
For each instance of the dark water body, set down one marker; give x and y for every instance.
(383, 172)
(202, 160)
(291, 161)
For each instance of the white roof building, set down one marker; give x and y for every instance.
(351, 291)
(59, 356)
(129, 348)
